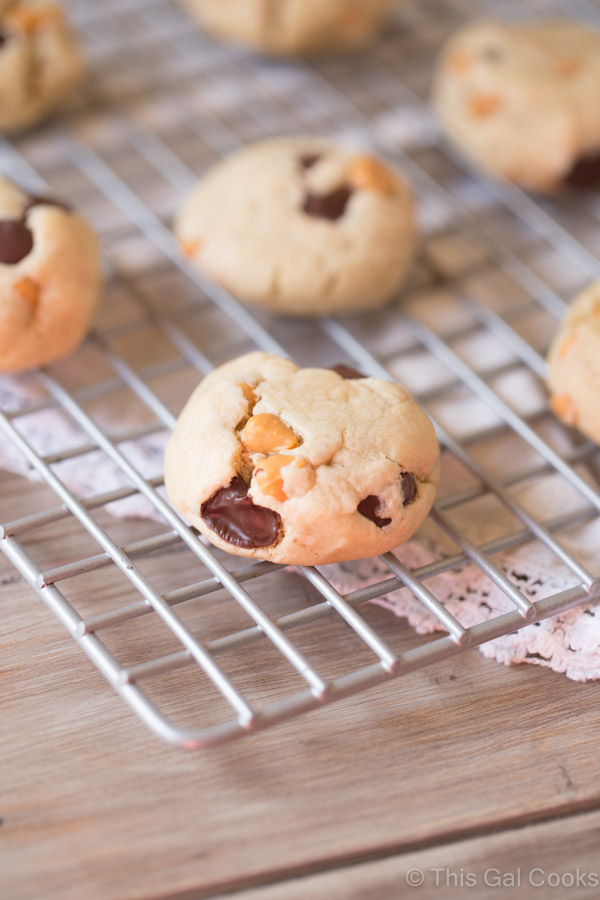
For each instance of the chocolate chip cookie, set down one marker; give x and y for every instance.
(522, 102)
(574, 365)
(39, 62)
(301, 466)
(49, 279)
(292, 27)
(302, 227)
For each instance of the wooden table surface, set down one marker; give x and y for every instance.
(466, 768)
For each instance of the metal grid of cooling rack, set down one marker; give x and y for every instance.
(165, 102)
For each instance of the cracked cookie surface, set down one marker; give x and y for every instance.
(301, 466)
(522, 102)
(574, 365)
(292, 27)
(49, 279)
(39, 62)
(302, 227)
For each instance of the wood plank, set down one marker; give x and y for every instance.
(96, 807)
(529, 863)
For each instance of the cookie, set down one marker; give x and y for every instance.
(523, 103)
(301, 466)
(574, 365)
(292, 27)
(49, 279)
(39, 62)
(302, 227)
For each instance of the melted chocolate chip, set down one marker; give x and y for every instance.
(368, 508)
(309, 159)
(45, 201)
(328, 206)
(231, 513)
(347, 371)
(585, 172)
(3, 39)
(16, 241)
(409, 488)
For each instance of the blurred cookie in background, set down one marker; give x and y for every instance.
(301, 226)
(574, 365)
(40, 63)
(292, 27)
(523, 103)
(49, 279)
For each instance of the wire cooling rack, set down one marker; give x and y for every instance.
(164, 102)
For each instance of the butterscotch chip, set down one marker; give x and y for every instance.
(269, 478)
(459, 63)
(568, 344)
(568, 67)
(247, 391)
(482, 105)
(355, 22)
(30, 17)
(266, 433)
(565, 408)
(360, 482)
(191, 248)
(368, 174)
(28, 289)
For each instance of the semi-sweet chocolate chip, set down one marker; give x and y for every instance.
(16, 241)
(347, 371)
(231, 513)
(32, 201)
(409, 488)
(3, 38)
(368, 508)
(328, 206)
(309, 159)
(585, 172)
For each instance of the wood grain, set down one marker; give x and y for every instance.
(95, 808)
(527, 863)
